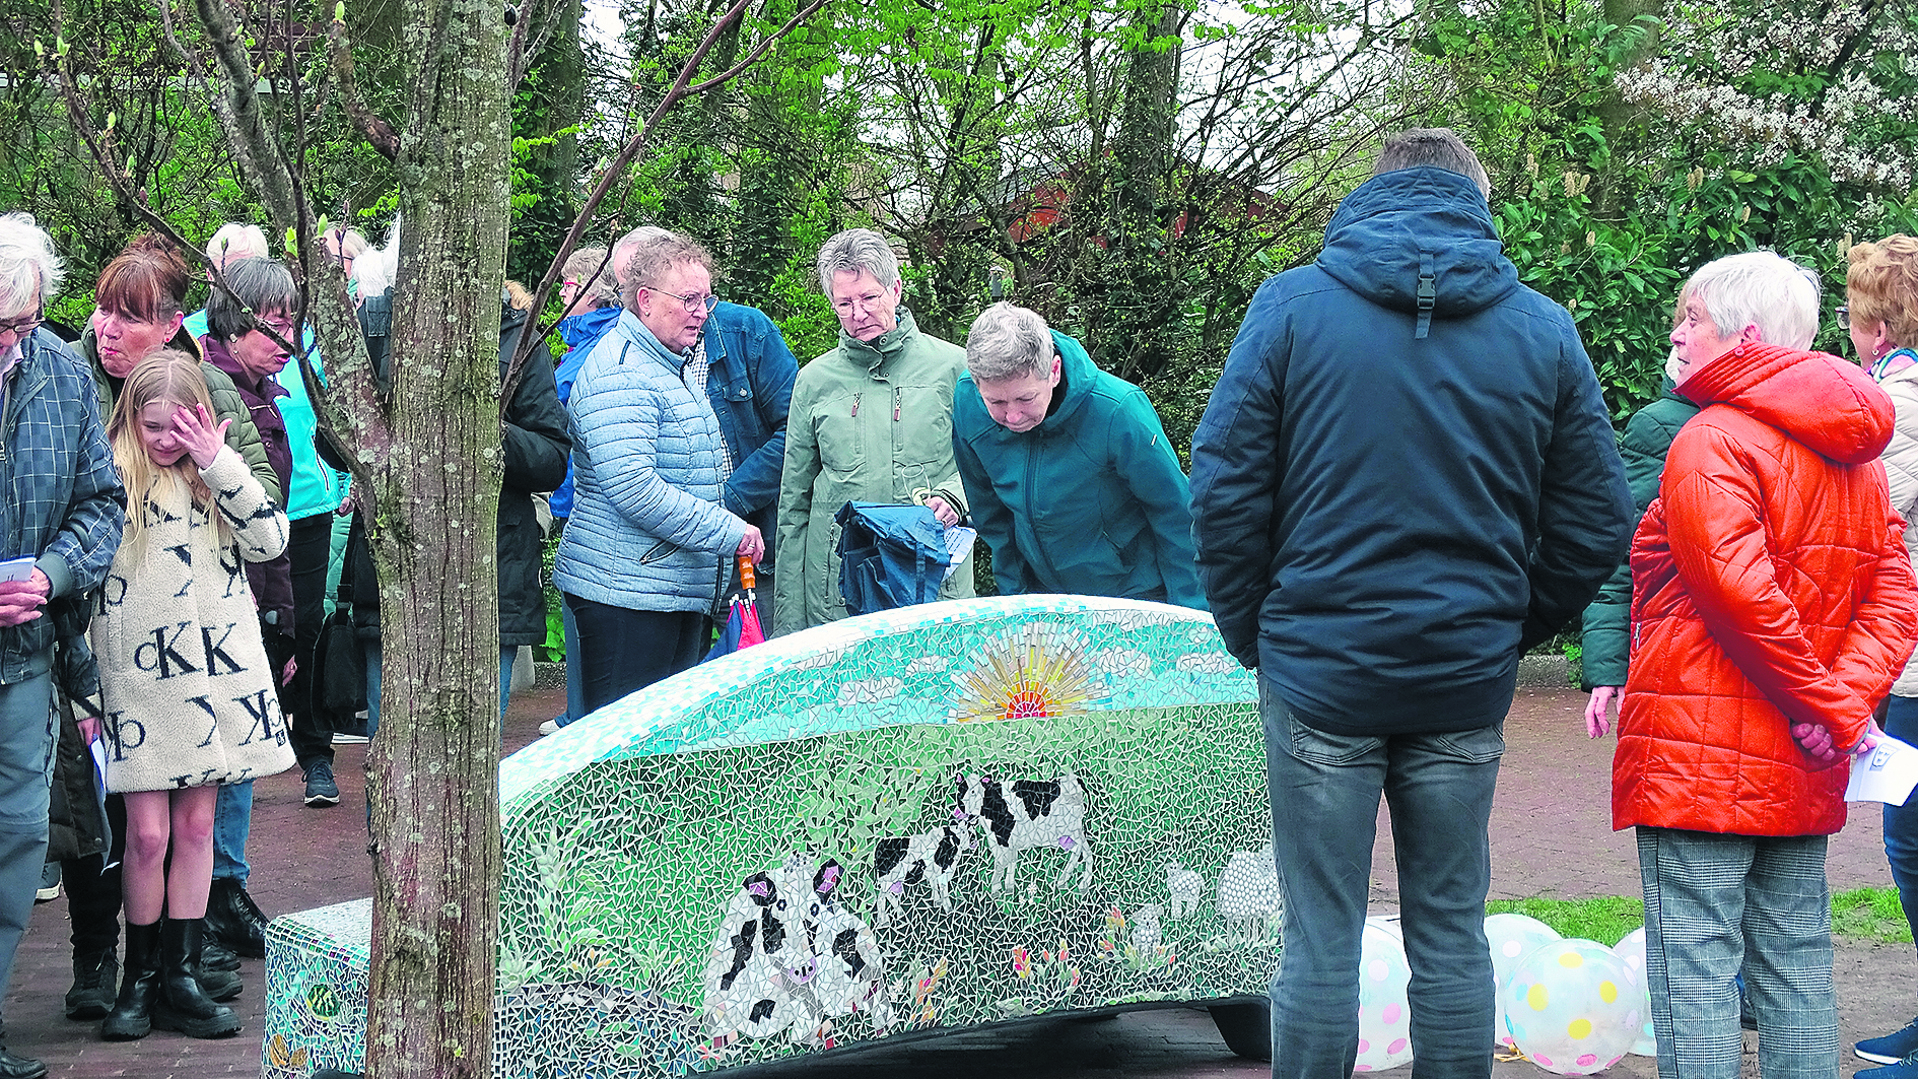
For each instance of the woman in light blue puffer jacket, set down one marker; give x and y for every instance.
(643, 556)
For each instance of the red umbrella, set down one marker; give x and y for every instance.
(742, 626)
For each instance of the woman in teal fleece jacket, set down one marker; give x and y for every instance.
(1073, 482)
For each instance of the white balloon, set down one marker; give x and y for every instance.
(1511, 937)
(1632, 950)
(1572, 1006)
(1385, 1020)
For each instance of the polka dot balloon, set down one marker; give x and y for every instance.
(1572, 1006)
(1385, 1021)
(1511, 937)
(1632, 951)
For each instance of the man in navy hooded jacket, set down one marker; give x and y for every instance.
(1404, 479)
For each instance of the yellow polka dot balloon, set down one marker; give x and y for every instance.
(1573, 1006)
(1511, 938)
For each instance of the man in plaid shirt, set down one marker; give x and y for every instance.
(61, 512)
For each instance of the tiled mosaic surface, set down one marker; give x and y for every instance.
(935, 817)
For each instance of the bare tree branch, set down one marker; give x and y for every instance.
(682, 88)
(382, 135)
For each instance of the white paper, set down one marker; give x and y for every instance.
(1886, 774)
(17, 569)
(959, 540)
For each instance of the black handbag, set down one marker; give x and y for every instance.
(339, 664)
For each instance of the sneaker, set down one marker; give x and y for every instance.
(320, 788)
(1903, 1069)
(1893, 1048)
(49, 889)
(551, 726)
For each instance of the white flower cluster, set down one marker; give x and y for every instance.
(1691, 84)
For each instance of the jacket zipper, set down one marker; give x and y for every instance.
(855, 405)
(897, 396)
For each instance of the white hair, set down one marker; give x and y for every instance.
(854, 250)
(1008, 341)
(1762, 289)
(376, 268)
(623, 250)
(236, 240)
(30, 271)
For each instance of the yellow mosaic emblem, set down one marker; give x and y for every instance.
(1036, 671)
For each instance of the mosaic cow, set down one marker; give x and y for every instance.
(1024, 814)
(900, 862)
(788, 959)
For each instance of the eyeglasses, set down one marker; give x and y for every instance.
(693, 301)
(22, 327)
(281, 326)
(1844, 318)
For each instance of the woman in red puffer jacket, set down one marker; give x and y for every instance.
(1772, 605)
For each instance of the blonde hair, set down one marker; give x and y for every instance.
(167, 375)
(1881, 285)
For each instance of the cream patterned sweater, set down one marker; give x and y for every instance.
(187, 691)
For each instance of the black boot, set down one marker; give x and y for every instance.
(132, 1014)
(232, 917)
(14, 1066)
(183, 1005)
(96, 979)
(219, 985)
(216, 956)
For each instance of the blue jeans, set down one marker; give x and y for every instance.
(232, 822)
(1716, 902)
(1325, 798)
(1901, 822)
(26, 779)
(575, 678)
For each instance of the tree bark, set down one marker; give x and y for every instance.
(433, 770)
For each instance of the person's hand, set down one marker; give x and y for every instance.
(20, 601)
(753, 544)
(89, 730)
(1598, 720)
(203, 438)
(286, 672)
(1815, 740)
(943, 510)
(348, 504)
(1869, 740)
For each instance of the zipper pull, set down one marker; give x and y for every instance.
(855, 405)
(896, 395)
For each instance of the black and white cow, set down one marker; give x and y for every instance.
(787, 958)
(902, 861)
(1024, 814)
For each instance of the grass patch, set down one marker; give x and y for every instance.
(1605, 919)
(1871, 913)
(1866, 913)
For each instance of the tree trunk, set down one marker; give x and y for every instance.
(434, 767)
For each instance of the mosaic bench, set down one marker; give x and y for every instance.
(935, 818)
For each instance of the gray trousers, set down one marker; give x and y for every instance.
(26, 777)
(1715, 904)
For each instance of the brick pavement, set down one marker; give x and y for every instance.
(1551, 836)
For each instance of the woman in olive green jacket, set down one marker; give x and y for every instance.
(871, 421)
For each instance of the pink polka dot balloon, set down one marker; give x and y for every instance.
(1572, 1006)
(1385, 1021)
(1511, 938)
(1632, 951)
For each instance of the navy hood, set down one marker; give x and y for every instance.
(1424, 222)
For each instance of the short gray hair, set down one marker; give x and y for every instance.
(1434, 146)
(30, 271)
(854, 250)
(1008, 341)
(236, 240)
(623, 253)
(1763, 289)
(654, 254)
(260, 287)
(588, 266)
